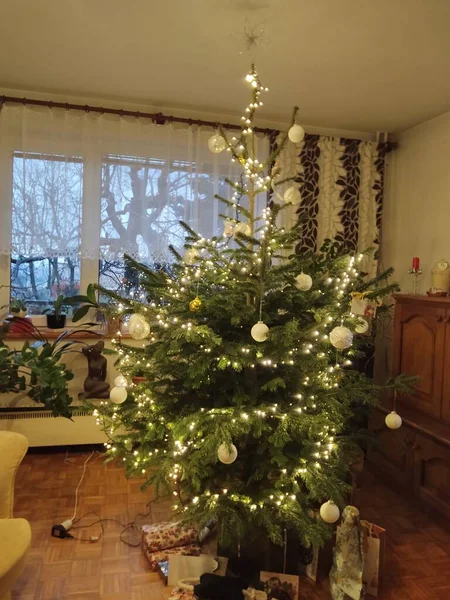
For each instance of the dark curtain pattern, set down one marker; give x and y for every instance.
(341, 184)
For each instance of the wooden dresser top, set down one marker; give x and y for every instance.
(422, 299)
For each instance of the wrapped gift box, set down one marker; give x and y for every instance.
(161, 536)
(160, 540)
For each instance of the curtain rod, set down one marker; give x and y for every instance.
(158, 118)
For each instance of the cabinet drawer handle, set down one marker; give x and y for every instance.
(416, 447)
(439, 318)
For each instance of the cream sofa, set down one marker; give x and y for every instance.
(15, 534)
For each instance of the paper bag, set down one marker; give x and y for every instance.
(358, 306)
(181, 566)
(374, 551)
(363, 307)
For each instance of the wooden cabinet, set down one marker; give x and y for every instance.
(392, 452)
(432, 473)
(416, 457)
(445, 412)
(420, 344)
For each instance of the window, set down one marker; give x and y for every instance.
(46, 225)
(79, 189)
(143, 201)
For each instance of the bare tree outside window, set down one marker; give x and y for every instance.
(46, 226)
(143, 201)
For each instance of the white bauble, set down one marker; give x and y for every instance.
(190, 256)
(329, 512)
(259, 332)
(216, 144)
(303, 282)
(341, 337)
(393, 420)
(227, 454)
(292, 195)
(118, 395)
(139, 329)
(362, 326)
(134, 318)
(296, 133)
(120, 381)
(243, 228)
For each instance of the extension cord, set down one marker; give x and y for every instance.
(61, 530)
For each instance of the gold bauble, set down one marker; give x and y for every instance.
(195, 304)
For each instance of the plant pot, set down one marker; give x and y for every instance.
(138, 379)
(56, 321)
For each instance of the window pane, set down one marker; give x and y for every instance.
(143, 201)
(46, 225)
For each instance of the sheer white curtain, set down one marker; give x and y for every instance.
(79, 189)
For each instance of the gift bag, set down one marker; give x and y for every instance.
(362, 306)
(374, 552)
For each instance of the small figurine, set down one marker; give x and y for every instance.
(95, 385)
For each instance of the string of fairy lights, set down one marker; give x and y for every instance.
(206, 258)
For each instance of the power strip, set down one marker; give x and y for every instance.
(62, 531)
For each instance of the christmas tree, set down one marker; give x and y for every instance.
(247, 410)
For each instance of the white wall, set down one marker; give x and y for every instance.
(416, 218)
(416, 215)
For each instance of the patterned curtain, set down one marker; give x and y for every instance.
(341, 185)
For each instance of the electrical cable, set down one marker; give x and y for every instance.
(80, 482)
(100, 521)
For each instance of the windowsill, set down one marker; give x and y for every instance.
(53, 334)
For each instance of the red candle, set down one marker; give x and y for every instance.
(416, 263)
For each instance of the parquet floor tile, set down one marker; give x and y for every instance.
(417, 549)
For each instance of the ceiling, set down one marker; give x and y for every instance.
(366, 65)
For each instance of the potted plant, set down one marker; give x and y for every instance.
(36, 368)
(87, 302)
(18, 308)
(56, 318)
(105, 313)
(138, 377)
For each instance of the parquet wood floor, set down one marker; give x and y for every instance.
(417, 557)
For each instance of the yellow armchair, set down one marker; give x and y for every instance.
(15, 534)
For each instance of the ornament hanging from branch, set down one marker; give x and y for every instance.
(118, 395)
(362, 326)
(260, 332)
(341, 337)
(216, 144)
(138, 327)
(227, 454)
(292, 196)
(120, 381)
(329, 512)
(303, 282)
(393, 420)
(195, 304)
(296, 133)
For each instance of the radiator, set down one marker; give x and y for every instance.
(42, 429)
